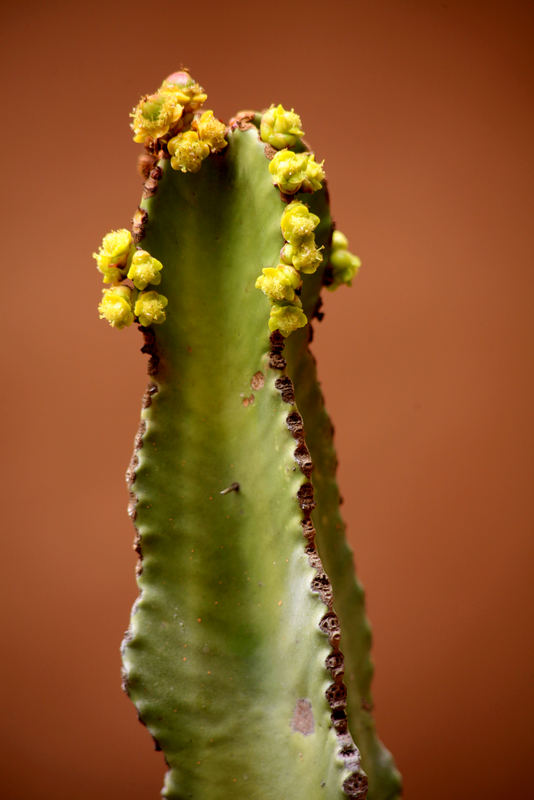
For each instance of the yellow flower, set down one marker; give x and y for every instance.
(286, 319)
(295, 172)
(149, 308)
(155, 115)
(144, 270)
(116, 306)
(279, 283)
(344, 265)
(211, 131)
(304, 256)
(298, 222)
(186, 90)
(280, 128)
(112, 257)
(187, 151)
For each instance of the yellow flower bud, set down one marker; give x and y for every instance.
(186, 90)
(279, 283)
(298, 222)
(211, 131)
(344, 265)
(305, 256)
(154, 116)
(314, 174)
(187, 151)
(149, 308)
(294, 172)
(144, 270)
(116, 306)
(286, 319)
(113, 255)
(339, 241)
(280, 128)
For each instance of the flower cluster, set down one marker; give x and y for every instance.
(343, 265)
(122, 304)
(189, 148)
(291, 172)
(299, 254)
(170, 119)
(296, 172)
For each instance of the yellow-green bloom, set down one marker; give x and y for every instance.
(187, 151)
(304, 256)
(116, 306)
(294, 172)
(345, 266)
(155, 115)
(280, 128)
(279, 283)
(314, 174)
(339, 241)
(286, 319)
(112, 257)
(185, 89)
(144, 270)
(298, 222)
(149, 308)
(211, 131)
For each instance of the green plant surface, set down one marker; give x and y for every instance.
(233, 657)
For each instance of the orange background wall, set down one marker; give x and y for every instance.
(423, 113)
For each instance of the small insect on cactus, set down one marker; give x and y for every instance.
(248, 665)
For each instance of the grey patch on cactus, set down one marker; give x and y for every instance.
(139, 221)
(308, 530)
(285, 387)
(257, 381)
(145, 164)
(355, 786)
(336, 694)
(295, 424)
(277, 361)
(302, 720)
(305, 497)
(322, 586)
(335, 664)
(314, 559)
(151, 390)
(149, 347)
(338, 718)
(151, 184)
(303, 458)
(330, 625)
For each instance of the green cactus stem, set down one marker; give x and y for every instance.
(234, 656)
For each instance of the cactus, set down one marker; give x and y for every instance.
(234, 657)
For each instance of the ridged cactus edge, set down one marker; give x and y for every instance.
(234, 657)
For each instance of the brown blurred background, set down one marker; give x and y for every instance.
(426, 364)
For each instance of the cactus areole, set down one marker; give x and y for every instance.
(247, 655)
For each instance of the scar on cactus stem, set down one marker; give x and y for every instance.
(235, 656)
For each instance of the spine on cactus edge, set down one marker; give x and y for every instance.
(234, 656)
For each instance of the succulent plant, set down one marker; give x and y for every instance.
(248, 665)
